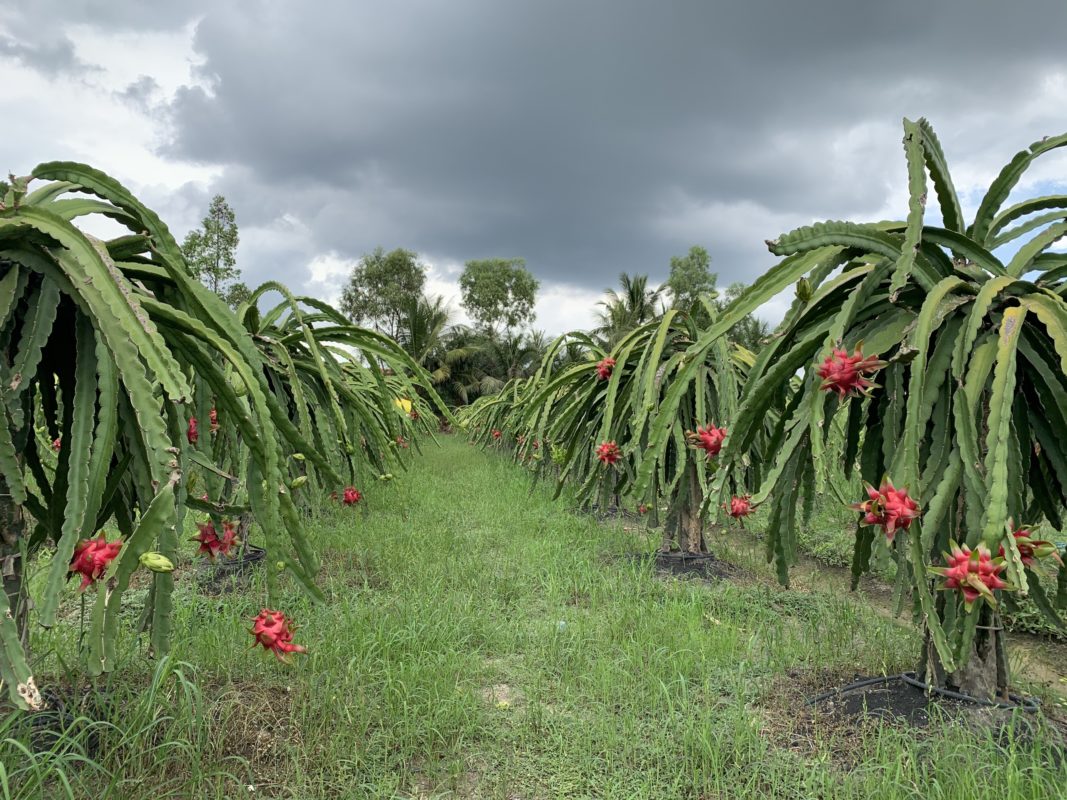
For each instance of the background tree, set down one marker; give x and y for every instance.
(381, 287)
(465, 370)
(690, 277)
(237, 293)
(423, 327)
(516, 355)
(210, 251)
(751, 330)
(499, 292)
(624, 310)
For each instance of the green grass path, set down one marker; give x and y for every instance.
(483, 641)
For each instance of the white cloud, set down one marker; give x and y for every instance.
(328, 273)
(85, 118)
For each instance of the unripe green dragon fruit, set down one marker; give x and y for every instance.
(157, 562)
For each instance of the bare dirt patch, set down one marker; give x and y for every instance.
(819, 712)
(255, 724)
(685, 565)
(503, 695)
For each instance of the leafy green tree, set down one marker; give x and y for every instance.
(381, 286)
(690, 277)
(211, 252)
(499, 292)
(237, 293)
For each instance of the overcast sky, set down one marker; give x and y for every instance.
(587, 136)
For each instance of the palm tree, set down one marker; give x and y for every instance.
(422, 326)
(447, 352)
(517, 354)
(460, 373)
(465, 363)
(626, 309)
(572, 352)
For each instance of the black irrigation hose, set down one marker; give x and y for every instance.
(683, 557)
(1025, 703)
(857, 685)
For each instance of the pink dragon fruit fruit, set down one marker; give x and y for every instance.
(889, 507)
(604, 368)
(92, 558)
(608, 453)
(708, 439)
(274, 631)
(976, 574)
(844, 373)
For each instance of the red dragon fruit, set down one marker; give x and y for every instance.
(643, 509)
(889, 507)
(57, 444)
(211, 544)
(739, 507)
(351, 496)
(974, 573)
(192, 434)
(229, 537)
(708, 439)
(213, 415)
(496, 433)
(844, 373)
(609, 453)
(604, 368)
(92, 557)
(1031, 549)
(274, 631)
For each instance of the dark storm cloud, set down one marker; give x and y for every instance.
(589, 137)
(562, 131)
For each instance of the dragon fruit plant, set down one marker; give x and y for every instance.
(103, 347)
(493, 419)
(941, 354)
(354, 399)
(112, 349)
(598, 414)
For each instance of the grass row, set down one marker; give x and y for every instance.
(483, 641)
